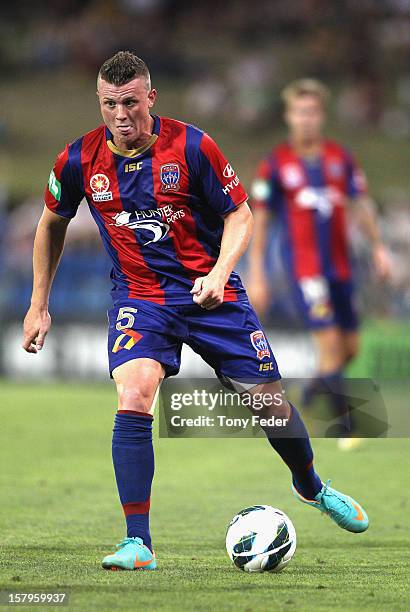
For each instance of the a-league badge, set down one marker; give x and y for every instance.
(169, 174)
(260, 344)
(100, 184)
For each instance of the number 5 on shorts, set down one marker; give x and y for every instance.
(125, 313)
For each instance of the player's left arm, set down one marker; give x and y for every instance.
(223, 192)
(366, 214)
(208, 291)
(367, 217)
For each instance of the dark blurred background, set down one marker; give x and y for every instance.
(220, 65)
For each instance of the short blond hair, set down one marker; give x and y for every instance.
(305, 87)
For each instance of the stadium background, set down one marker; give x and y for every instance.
(220, 65)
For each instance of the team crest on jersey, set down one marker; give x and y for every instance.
(170, 174)
(260, 344)
(335, 169)
(292, 176)
(100, 184)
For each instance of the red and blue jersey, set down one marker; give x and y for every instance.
(309, 196)
(159, 209)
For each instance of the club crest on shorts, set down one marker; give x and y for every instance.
(169, 174)
(260, 344)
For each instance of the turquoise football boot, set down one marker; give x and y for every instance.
(342, 509)
(131, 554)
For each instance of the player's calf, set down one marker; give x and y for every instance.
(291, 440)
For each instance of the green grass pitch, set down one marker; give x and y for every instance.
(60, 514)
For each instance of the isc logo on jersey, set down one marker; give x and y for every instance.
(100, 184)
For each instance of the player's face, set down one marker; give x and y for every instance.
(126, 110)
(305, 117)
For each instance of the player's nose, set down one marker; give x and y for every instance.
(121, 114)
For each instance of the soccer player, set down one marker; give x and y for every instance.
(306, 183)
(174, 220)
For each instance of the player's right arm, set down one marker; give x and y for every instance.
(62, 197)
(48, 248)
(258, 286)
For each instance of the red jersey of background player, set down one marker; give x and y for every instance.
(309, 196)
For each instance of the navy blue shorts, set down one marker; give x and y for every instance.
(323, 302)
(229, 338)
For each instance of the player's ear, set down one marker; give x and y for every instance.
(152, 96)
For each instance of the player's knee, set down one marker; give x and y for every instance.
(269, 400)
(331, 350)
(134, 398)
(351, 350)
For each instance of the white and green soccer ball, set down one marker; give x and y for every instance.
(261, 539)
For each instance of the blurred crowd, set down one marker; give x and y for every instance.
(234, 56)
(226, 62)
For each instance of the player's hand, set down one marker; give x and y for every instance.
(259, 295)
(208, 291)
(382, 262)
(37, 322)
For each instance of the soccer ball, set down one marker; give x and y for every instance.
(261, 539)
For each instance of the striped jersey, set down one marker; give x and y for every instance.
(159, 209)
(309, 196)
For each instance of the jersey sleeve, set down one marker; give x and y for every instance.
(218, 181)
(63, 192)
(264, 186)
(356, 184)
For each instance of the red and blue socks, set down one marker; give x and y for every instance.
(133, 459)
(293, 445)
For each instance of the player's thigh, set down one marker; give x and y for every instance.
(137, 383)
(231, 340)
(143, 347)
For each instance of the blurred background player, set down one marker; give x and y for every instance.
(307, 182)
